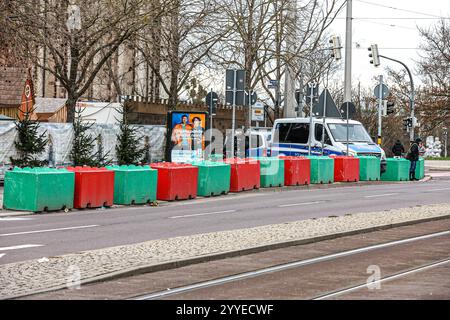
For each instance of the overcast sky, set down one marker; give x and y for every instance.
(394, 30)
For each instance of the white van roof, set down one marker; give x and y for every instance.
(316, 120)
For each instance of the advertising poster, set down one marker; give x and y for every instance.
(186, 140)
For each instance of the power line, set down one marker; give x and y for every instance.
(394, 8)
(389, 25)
(396, 18)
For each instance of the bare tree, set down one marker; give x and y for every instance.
(77, 51)
(434, 67)
(188, 33)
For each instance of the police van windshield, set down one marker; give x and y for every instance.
(356, 132)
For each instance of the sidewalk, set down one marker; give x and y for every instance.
(437, 165)
(53, 273)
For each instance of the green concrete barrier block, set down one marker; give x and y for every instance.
(134, 184)
(420, 169)
(322, 169)
(272, 171)
(369, 168)
(39, 189)
(213, 178)
(397, 169)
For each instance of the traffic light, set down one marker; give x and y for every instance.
(336, 42)
(390, 107)
(374, 55)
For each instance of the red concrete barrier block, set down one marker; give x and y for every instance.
(297, 170)
(94, 187)
(245, 174)
(176, 181)
(346, 169)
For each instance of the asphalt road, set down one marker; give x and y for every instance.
(36, 236)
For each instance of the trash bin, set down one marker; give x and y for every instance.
(94, 187)
(369, 168)
(346, 169)
(213, 178)
(176, 181)
(245, 174)
(272, 171)
(38, 189)
(134, 184)
(322, 169)
(297, 170)
(397, 169)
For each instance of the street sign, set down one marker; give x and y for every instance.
(331, 108)
(351, 110)
(315, 93)
(384, 91)
(211, 101)
(234, 83)
(258, 112)
(273, 84)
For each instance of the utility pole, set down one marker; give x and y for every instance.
(348, 54)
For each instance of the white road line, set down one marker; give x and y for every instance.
(299, 204)
(48, 230)
(442, 189)
(381, 195)
(390, 278)
(23, 246)
(14, 219)
(201, 214)
(2, 254)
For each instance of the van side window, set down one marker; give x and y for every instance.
(283, 131)
(318, 134)
(299, 133)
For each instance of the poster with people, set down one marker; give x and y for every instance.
(186, 135)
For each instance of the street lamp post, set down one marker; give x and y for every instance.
(411, 95)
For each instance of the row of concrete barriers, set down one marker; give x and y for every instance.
(48, 189)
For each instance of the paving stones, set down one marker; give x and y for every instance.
(26, 277)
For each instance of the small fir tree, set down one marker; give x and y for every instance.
(127, 148)
(29, 143)
(82, 153)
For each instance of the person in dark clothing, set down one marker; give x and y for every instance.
(398, 149)
(413, 156)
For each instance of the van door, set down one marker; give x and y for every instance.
(328, 145)
(292, 139)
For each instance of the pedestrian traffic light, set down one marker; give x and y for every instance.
(390, 107)
(336, 42)
(374, 55)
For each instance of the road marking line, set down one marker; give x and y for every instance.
(202, 214)
(299, 204)
(14, 219)
(395, 276)
(442, 189)
(23, 246)
(381, 195)
(2, 254)
(48, 230)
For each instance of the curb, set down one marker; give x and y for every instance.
(224, 255)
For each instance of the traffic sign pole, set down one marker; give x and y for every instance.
(380, 102)
(211, 116)
(312, 85)
(234, 113)
(347, 103)
(323, 123)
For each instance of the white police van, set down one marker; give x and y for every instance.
(290, 137)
